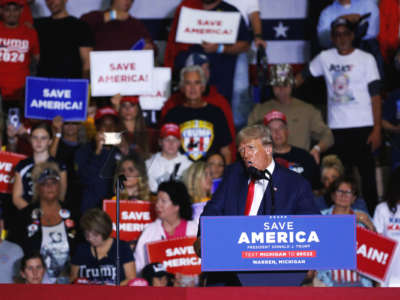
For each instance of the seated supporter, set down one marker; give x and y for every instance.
(216, 163)
(95, 260)
(115, 29)
(174, 214)
(32, 268)
(41, 139)
(203, 126)
(156, 275)
(289, 156)
(96, 161)
(169, 161)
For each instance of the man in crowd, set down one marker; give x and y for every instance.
(62, 54)
(304, 121)
(354, 103)
(203, 126)
(291, 157)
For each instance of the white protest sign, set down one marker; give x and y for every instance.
(196, 26)
(125, 72)
(161, 90)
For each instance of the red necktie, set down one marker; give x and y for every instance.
(250, 196)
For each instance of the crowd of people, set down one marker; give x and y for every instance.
(56, 229)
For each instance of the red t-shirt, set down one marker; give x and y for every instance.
(17, 45)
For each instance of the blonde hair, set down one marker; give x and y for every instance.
(332, 161)
(253, 132)
(37, 170)
(192, 178)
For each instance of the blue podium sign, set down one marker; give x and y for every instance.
(46, 98)
(261, 243)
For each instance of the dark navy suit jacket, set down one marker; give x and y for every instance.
(292, 196)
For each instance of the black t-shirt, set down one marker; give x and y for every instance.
(60, 40)
(105, 269)
(203, 130)
(25, 168)
(301, 162)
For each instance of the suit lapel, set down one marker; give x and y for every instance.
(265, 206)
(242, 189)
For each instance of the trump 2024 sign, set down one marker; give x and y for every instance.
(259, 243)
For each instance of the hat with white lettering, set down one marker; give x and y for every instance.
(48, 173)
(342, 22)
(154, 270)
(131, 99)
(196, 59)
(17, 2)
(170, 129)
(105, 111)
(281, 74)
(274, 115)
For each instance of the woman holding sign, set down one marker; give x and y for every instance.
(174, 214)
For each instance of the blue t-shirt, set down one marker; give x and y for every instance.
(103, 271)
(391, 113)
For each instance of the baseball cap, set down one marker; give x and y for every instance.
(18, 2)
(131, 99)
(196, 59)
(274, 115)
(342, 22)
(170, 129)
(105, 111)
(48, 173)
(281, 74)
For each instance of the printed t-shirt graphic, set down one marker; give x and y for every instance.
(197, 138)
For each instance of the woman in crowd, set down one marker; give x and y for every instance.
(387, 222)
(344, 192)
(95, 260)
(46, 226)
(198, 181)
(174, 214)
(41, 139)
(216, 162)
(32, 268)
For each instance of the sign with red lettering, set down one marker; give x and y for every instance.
(125, 72)
(177, 255)
(374, 253)
(161, 90)
(196, 26)
(134, 217)
(8, 161)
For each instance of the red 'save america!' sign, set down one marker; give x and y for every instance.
(8, 161)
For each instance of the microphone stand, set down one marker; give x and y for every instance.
(119, 185)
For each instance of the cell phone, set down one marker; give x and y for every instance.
(139, 45)
(13, 117)
(112, 138)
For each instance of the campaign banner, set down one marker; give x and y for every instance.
(46, 98)
(161, 90)
(374, 254)
(125, 72)
(261, 243)
(8, 161)
(177, 255)
(196, 26)
(134, 217)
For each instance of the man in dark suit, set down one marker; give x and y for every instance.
(258, 186)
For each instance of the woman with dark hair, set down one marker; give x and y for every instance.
(32, 268)
(216, 162)
(387, 222)
(174, 214)
(95, 260)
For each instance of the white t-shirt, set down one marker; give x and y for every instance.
(388, 224)
(159, 169)
(347, 78)
(246, 7)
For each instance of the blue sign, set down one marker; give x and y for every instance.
(262, 243)
(46, 98)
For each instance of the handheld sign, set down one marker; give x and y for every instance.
(260, 243)
(374, 254)
(46, 98)
(196, 26)
(8, 161)
(161, 90)
(177, 255)
(134, 217)
(125, 72)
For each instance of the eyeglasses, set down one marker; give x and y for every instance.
(344, 193)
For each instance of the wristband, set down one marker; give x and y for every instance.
(221, 48)
(318, 148)
(58, 135)
(113, 14)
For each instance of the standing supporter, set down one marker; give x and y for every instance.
(174, 214)
(33, 268)
(210, 95)
(115, 29)
(168, 162)
(304, 121)
(354, 103)
(222, 57)
(18, 45)
(95, 260)
(387, 222)
(289, 156)
(10, 254)
(203, 126)
(96, 161)
(41, 139)
(62, 54)
(216, 162)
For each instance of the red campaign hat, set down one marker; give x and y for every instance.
(274, 115)
(170, 129)
(18, 2)
(105, 111)
(131, 99)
